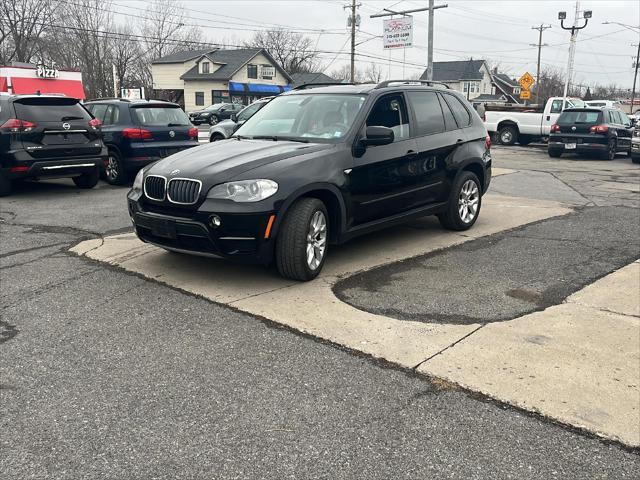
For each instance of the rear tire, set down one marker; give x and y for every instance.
(508, 135)
(213, 120)
(524, 141)
(114, 169)
(302, 243)
(610, 153)
(635, 159)
(554, 153)
(5, 186)
(465, 200)
(87, 180)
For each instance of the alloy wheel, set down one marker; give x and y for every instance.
(111, 168)
(468, 201)
(316, 240)
(612, 150)
(506, 137)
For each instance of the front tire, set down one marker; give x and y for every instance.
(508, 135)
(635, 159)
(553, 153)
(301, 246)
(87, 180)
(213, 120)
(464, 203)
(216, 137)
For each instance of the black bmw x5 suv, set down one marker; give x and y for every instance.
(318, 166)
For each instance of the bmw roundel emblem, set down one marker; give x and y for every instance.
(174, 172)
(172, 133)
(573, 128)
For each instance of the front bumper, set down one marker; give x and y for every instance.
(239, 237)
(635, 148)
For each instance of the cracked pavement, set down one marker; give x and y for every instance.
(104, 374)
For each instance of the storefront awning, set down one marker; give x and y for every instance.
(238, 87)
(70, 88)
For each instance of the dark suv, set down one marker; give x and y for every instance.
(44, 136)
(319, 166)
(592, 130)
(214, 113)
(139, 132)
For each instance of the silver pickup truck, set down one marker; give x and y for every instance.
(525, 123)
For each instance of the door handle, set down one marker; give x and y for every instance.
(460, 140)
(411, 153)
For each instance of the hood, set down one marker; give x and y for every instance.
(222, 161)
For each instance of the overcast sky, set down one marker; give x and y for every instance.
(499, 31)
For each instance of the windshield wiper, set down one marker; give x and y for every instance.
(177, 125)
(275, 139)
(71, 117)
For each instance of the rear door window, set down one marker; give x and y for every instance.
(98, 111)
(158, 116)
(449, 120)
(50, 110)
(426, 108)
(111, 115)
(460, 112)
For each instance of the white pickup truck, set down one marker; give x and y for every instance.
(525, 123)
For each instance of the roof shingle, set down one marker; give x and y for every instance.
(456, 70)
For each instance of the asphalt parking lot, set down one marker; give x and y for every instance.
(119, 361)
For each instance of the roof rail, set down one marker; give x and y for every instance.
(430, 83)
(304, 86)
(108, 98)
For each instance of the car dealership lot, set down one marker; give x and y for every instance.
(99, 361)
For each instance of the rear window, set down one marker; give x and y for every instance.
(579, 117)
(50, 110)
(160, 116)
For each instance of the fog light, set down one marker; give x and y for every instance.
(215, 221)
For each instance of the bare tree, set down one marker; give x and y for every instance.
(22, 23)
(373, 73)
(124, 52)
(343, 73)
(293, 51)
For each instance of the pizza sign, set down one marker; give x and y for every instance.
(43, 71)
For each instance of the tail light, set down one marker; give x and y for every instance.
(599, 129)
(487, 142)
(95, 123)
(15, 125)
(555, 128)
(193, 132)
(136, 133)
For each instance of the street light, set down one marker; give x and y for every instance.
(562, 16)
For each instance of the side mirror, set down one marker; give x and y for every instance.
(223, 109)
(377, 135)
(234, 118)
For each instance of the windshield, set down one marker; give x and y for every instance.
(160, 116)
(569, 117)
(576, 102)
(215, 106)
(304, 117)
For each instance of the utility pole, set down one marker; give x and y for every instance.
(540, 29)
(586, 15)
(635, 77)
(353, 22)
(431, 9)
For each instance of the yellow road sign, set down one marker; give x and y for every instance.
(526, 81)
(525, 95)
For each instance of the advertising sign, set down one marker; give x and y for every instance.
(267, 72)
(131, 93)
(397, 32)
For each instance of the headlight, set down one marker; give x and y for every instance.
(636, 133)
(244, 190)
(137, 183)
